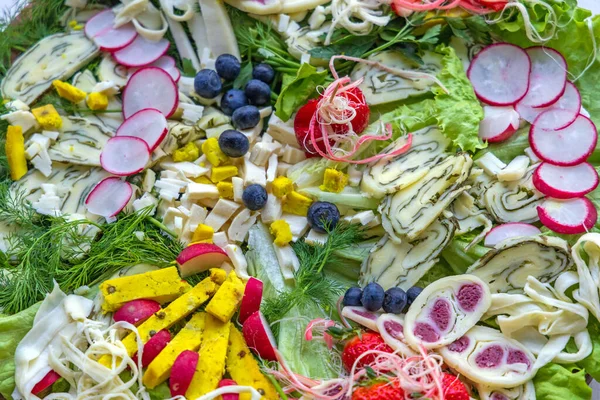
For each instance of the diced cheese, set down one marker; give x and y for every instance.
(292, 155)
(282, 232)
(223, 210)
(490, 164)
(240, 225)
(265, 112)
(109, 88)
(47, 117)
(17, 105)
(253, 174)
(220, 239)
(213, 152)
(217, 131)
(354, 175)
(296, 203)
(146, 200)
(187, 168)
(288, 261)
(49, 203)
(15, 152)
(283, 22)
(315, 237)
(213, 353)
(282, 168)
(163, 285)
(188, 338)
(43, 163)
(282, 186)
(191, 113)
(282, 131)
(317, 18)
(334, 181)
(149, 180)
(170, 215)
(97, 101)
(197, 214)
(189, 152)
(24, 119)
(219, 174)
(238, 188)
(237, 258)
(262, 151)
(225, 190)
(298, 224)
(272, 210)
(218, 275)
(68, 91)
(515, 170)
(53, 135)
(203, 233)
(227, 299)
(197, 191)
(272, 168)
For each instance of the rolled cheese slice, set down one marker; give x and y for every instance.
(521, 392)
(361, 316)
(486, 356)
(391, 329)
(445, 311)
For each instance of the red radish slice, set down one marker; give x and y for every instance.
(567, 146)
(109, 197)
(47, 381)
(99, 23)
(182, 372)
(509, 230)
(565, 182)
(125, 155)
(141, 52)
(200, 257)
(230, 396)
(154, 346)
(570, 217)
(259, 337)
(569, 101)
(252, 298)
(100, 29)
(498, 124)
(150, 87)
(500, 74)
(136, 311)
(548, 77)
(166, 63)
(148, 124)
(555, 119)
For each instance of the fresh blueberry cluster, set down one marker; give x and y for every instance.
(373, 297)
(241, 105)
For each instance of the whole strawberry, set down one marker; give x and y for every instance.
(378, 391)
(453, 388)
(361, 344)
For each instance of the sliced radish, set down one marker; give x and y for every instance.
(500, 74)
(125, 155)
(150, 87)
(183, 372)
(259, 337)
(141, 52)
(109, 197)
(229, 396)
(200, 257)
(565, 182)
(555, 119)
(252, 298)
(548, 77)
(509, 230)
(47, 381)
(570, 101)
(154, 346)
(136, 311)
(99, 23)
(100, 29)
(498, 124)
(148, 124)
(166, 63)
(567, 146)
(571, 216)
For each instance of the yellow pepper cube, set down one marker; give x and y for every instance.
(69, 92)
(296, 203)
(213, 152)
(282, 186)
(227, 299)
(202, 179)
(189, 152)
(15, 152)
(97, 101)
(203, 233)
(225, 190)
(47, 117)
(219, 174)
(282, 232)
(334, 181)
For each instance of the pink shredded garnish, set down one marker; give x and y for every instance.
(418, 5)
(339, 310)
(321, 325)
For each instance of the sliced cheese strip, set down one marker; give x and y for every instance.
(219, 32)
(445, 311)
(109, 121)
(486, 356)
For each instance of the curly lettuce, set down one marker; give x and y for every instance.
(559, 382)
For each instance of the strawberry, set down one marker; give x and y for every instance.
(360, 344)
(453, 388)
(378, 391)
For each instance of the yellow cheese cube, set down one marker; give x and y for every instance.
(227, 299)
(225, 190)
(202, 179)
(296, 203)
(282, 232)
(167, 317)
(15, 152)
(188, 338)
(189, 152)
(47, 117)
(282, 186)
(334, 181)
(218, 275)
(213, 152)
(69, 92)
(203, 233)
(219, 174)
(163, 285)
(213, 352)
(97, 101)
(244, 369)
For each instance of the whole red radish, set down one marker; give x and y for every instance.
(252, 298)
(360, 344)
(47, 381)
(182, 372)
(379, 391)
(259, 337)
(230, 396)
(136, 311)
(154, 346)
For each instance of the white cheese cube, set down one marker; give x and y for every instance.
(24, 119)
(191, 113)
(272, 168)
(515, 170)
(253, 133)
(305, 59)
(292, 27)
(272, 210)
(170, 215)
(317, 18)
(363, 217)
(43, 163)
(262, 151)
(265, 112)
(490, 164)
(221, 213)
(184, 210)
(240, 225)
(220, 239)
(186, 168)
(109, 88)
(146, 200)
(17, 105)
(48, 204)
(50, 134)
(288, 261)
(355, 175)
(197, 191)
(292, 155)
(282, 131)
(266, 138)
(236, 255)
(32, 150)
(149, 180)
(40, 139)
(298, 224)
(197, 215)
(315, 237)
(238, 188)
(282, 168)
(282, 24)
(253, 174)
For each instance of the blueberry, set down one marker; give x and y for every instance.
(321, 215)
(234, 143)
(372, 296)
(246, 117)
(394, 301)
(412, 294)
(263, 72)
(352, 297)
(254, 197)
(258, 92)
(207, 84)
(232, 100)
(228, 66)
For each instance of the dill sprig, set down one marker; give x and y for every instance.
(313, 286)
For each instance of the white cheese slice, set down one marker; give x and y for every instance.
(288, 261)
(222, 211)
(240, 225)
(272, 210)
(237, 258)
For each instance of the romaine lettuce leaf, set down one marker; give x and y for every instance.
(560, 382)
(296, 90)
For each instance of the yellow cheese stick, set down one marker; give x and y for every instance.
(211, 364)
(244, 369)
(227, 299)
(188, 338)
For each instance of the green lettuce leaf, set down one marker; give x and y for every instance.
(458, 258)
(12, 329)
(591, 363)
(296, 90)
(560, 382)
